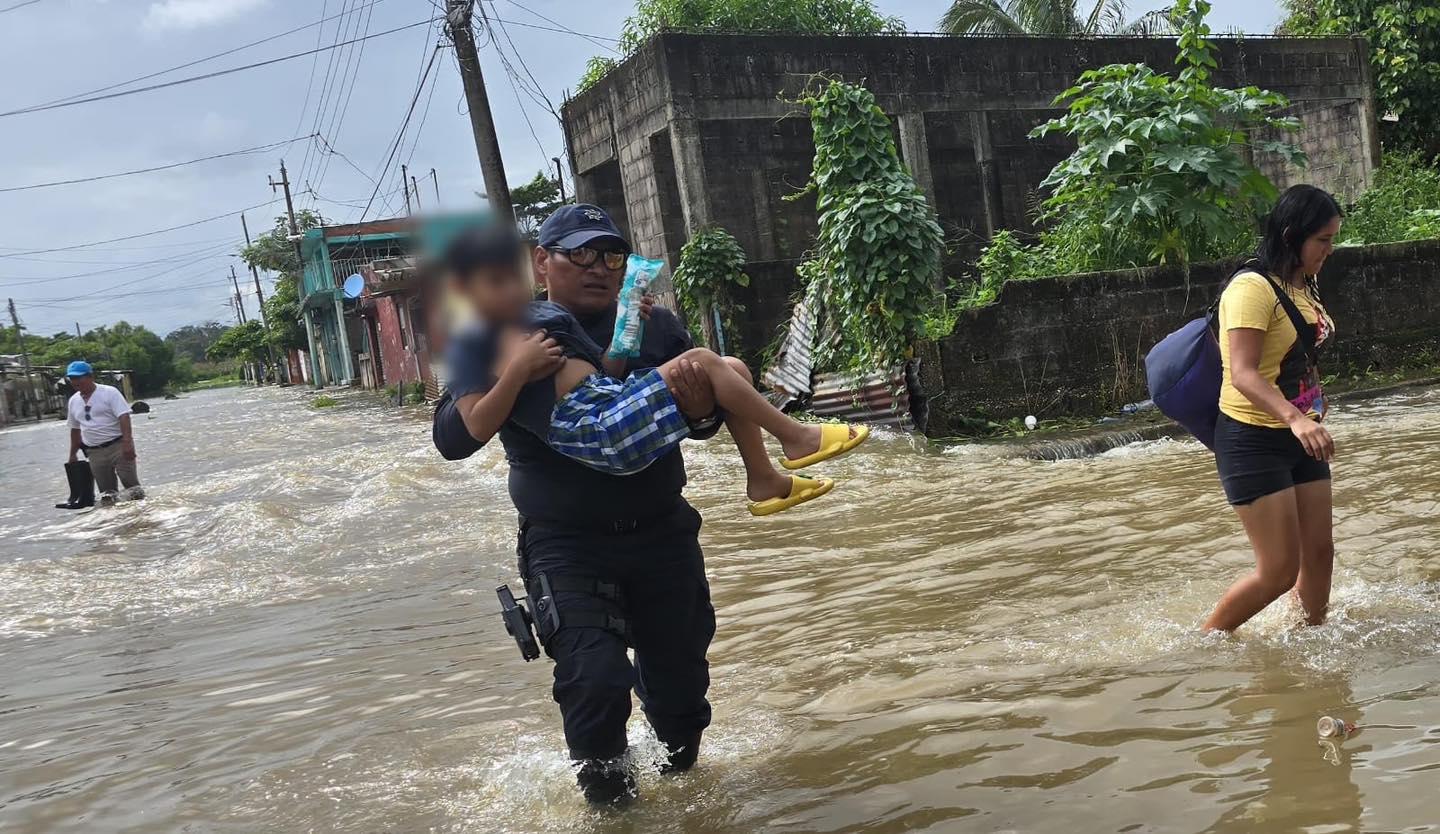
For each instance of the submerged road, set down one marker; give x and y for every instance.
(296, 632)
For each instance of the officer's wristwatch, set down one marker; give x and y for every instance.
(704, 423)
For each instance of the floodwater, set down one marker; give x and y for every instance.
(296, 632)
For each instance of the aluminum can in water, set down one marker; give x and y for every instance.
(1331, 727)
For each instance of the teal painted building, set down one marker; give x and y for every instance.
(331, 255)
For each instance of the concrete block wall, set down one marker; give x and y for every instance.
(963, 107)
(1076, 345)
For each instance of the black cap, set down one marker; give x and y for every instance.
(579, 225)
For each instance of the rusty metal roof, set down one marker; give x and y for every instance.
(789, 375)
(881, 399)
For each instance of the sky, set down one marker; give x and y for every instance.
(356, 97)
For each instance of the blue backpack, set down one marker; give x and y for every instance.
(1184, 371)
(1184, 374)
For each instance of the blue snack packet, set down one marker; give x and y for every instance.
(640, 273)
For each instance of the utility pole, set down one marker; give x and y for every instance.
(559, 178)
(77, 331)
(289, 209)
(255, 274)
(405, 184)
(416, 183)
(25, 390)
(436, 177)
(239, 305)
(482, 123)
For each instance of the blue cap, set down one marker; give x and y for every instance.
(79, 368)
(578, 225)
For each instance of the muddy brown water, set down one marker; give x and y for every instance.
(296, 633)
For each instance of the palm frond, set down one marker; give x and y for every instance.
(1157, 22)
(1107, 17)
(980, 17)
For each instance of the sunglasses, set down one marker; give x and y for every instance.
(87, 412)
(585, 257)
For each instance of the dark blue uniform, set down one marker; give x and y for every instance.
(619, 550)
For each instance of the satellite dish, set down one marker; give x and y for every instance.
(354, 285)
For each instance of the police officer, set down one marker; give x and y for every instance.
(619, 556)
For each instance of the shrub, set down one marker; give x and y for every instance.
(324, 401)
(711, 266)
(1162, 169)
(878, 251)
(1395, 207)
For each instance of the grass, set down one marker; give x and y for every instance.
(324, 401)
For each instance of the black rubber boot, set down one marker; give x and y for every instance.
(681, 755)
(82, 486)
(606, 781)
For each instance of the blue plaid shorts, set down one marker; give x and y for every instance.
(618, 427)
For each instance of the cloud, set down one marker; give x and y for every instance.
(192, 14)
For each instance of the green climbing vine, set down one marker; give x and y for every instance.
(711, 267)
(879, 246)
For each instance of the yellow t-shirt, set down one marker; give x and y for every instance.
(1250, 302)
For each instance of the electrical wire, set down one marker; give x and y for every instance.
(19, 5)
(337, 123)
(332, 61)
(151, 170)
(17, 281)
(198, 61)
(400, 137)
(595, 39)
(310, 84)
(206, 76)
(74, 246)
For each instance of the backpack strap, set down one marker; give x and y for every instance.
(1297, 319)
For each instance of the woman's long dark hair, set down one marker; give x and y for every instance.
(1302, 211)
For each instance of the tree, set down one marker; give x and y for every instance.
(191, 340)
(534, 201)
(1404, 38)
(809, 17)
(1049, 17)
(1163, 164)
(275, 252)
(245, 343)
(122, 346)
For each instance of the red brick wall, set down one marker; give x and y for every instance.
(397, 354)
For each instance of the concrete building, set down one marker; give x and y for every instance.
(700, 130)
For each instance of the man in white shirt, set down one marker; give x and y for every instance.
(100, 426)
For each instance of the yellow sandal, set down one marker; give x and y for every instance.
(835, 440)
(801, 490)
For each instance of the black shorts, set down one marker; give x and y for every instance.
(1256, 461)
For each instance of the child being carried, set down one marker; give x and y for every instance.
(601, 418)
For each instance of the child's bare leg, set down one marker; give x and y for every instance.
(762, 480)
(738, 397)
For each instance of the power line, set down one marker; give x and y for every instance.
(17, 281)
(400, 137)
(218, 73)
(20, 5)
(198, 61)
(595, 39)
(141, 234)
(332, 60)
(243, 152)
(337, 121)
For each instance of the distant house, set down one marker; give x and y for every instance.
(332, 254)
(390, 332)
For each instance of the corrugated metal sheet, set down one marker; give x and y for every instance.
(876, 399)
(789, 376)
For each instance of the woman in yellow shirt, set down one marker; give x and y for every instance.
(1272, 449)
